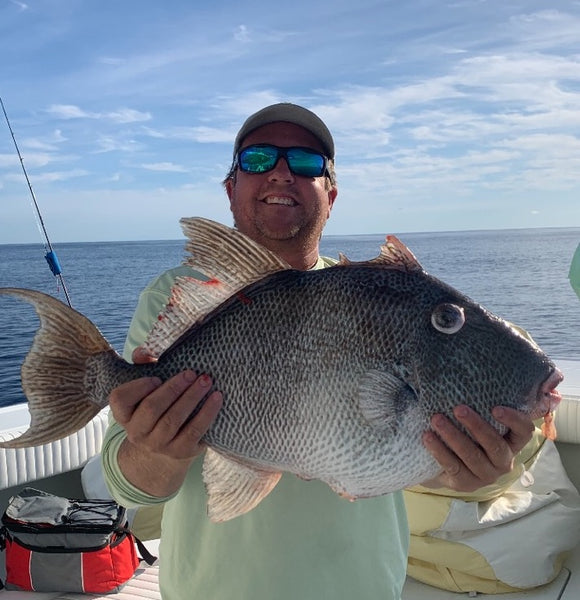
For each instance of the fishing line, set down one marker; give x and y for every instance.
(50, 256)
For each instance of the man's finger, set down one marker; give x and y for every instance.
(193, 432)
(493, 450)
(521, 427)
(124, 399)
(160, 401)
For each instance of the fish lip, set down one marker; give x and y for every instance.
(548, 397)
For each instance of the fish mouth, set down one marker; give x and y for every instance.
(548, 397)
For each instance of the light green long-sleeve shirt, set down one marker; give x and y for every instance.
(302, 542)
(574, 274)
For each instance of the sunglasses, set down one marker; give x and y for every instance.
(261, 158)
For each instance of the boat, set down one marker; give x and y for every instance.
(57, 468)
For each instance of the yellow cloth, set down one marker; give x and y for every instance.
(471, 542)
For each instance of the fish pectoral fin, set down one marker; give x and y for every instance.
(382, 397)
(232, 487)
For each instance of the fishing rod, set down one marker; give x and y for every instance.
(50, 256)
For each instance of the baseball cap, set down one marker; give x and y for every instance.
(289, 113)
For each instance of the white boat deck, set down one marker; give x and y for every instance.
(565, 587)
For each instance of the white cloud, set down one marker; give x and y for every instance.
(241, 34)
(110, 60)
(48, 143)
(128, 115)
(117, 144)
(201, 134)
(546, 29)
(8, 160)
(67, 111)
(50, 177)
(165, 166)
(33, 159)
(21, 5)
(122, 115)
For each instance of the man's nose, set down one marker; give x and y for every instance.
(281, 172)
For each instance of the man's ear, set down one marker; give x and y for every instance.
(332, 194)
(230, 189)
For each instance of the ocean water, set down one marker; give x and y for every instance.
(521, 275)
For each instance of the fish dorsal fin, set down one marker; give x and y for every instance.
(393, 254)
(228, 260)
(397, 255)
(343, 260)
(382, 397)
(226, 254)
(232, 487)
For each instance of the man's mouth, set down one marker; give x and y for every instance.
(280, 200)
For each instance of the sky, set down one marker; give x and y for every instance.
(447, 115)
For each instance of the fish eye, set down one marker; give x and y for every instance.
(448, 318)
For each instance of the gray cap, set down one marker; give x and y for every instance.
(289, 113)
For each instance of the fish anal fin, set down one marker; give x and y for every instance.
(382, 396)
(234, 488)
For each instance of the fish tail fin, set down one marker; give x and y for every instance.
(54, 371)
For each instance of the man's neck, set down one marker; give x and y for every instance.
(299, 259)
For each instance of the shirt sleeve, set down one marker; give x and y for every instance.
(574, 274)
(151, 302)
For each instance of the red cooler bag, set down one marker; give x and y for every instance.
(56, 544)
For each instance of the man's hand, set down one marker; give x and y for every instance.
(467, 464)
(161, 440)
(155, 415)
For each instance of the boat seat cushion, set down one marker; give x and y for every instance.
(20, 466)
(567, 418)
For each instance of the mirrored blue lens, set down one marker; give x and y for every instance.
(258, 159)
(262, 158)
(305, 162)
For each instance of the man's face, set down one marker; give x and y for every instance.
(278, 206)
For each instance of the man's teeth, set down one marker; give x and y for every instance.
(279, 200)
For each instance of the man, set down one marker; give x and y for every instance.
(302, 541)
